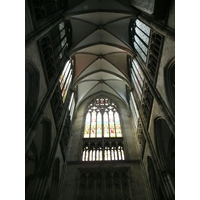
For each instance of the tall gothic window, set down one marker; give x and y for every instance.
(54, 46)
(65, 80)
(137, 78)
(62, 92)
(102, 139)
(140, 34)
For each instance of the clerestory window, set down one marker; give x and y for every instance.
(102, 120)
(102, 139)
(65, 80)
(54, 46)
(137, 78)
(140, 34)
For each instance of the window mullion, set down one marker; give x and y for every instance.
(96, 126)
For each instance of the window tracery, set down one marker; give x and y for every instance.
(102, 120)
(102, 139)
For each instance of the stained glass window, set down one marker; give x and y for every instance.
(102, 120)
(102, 124)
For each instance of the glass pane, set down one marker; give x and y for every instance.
(64, 74)
(109, 157)
(63, 42)
(138, 73)
(62, 33)
(93, 125)
(115, 152)
(139, 42)
(143, 26)
(101, 102)
(87, 131)
(119, 153)
(66, 87)
(61, 26)
(106, 132)
(93, 154)
(142, 35)
(87, 126)
(137, 48)
(106, 154)
(111, 120)
(136, 85)
(90, 155)
(112, 154)
(86, 156)
(98, 155)
(99, 125)
(101, 156)
(117, 125)
(122, 152)
(83, 157)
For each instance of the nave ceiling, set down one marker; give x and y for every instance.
(99, 48)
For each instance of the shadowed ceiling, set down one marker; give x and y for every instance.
(100, 45)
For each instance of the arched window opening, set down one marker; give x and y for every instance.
(54, 46)
(148, 44)
(102, 126)
(137, 78)
(140, 33)
(63, 96)
(169, 77)
(165, 144)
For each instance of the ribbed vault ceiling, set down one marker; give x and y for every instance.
(100, 45)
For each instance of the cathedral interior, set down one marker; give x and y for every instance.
(99, 99)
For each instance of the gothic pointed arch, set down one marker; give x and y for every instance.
(169, 79)
(165, 145)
